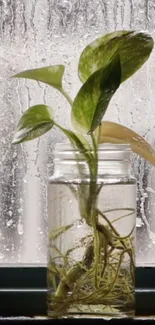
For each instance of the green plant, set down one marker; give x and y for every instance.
(103, 66)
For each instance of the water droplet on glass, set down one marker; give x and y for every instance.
(10, 213)
(139, 222)
(20, 228)
(20, 210)
(14, 155)
(152, 236)
(9, 223)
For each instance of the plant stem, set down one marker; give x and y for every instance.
(65, 94)
(92, 202)
(94, 143)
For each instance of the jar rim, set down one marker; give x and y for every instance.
(103, 146)
(106, 151)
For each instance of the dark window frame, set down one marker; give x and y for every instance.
(23, 291)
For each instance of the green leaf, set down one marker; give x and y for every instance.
(51, 75)
(78, 141)
(134, 49)
(36, 121)
(93, 98)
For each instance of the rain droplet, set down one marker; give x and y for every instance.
(139, 222)
(9, 223)
(149, 189)
(20, 228)
(14, 155)
(152, 236)
(20, 210)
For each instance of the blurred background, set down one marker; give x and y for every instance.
(37, 33)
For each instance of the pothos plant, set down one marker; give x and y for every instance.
(103, 65)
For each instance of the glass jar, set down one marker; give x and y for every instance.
(91, 248)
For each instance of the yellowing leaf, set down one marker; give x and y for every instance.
(111, 132)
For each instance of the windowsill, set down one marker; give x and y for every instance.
(45, 320)
(23, 303)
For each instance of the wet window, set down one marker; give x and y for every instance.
(39, 33)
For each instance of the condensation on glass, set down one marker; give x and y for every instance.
(39, 33)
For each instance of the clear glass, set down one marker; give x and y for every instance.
(91, 249)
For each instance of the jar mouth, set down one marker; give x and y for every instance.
(106, 151)
(103, 146)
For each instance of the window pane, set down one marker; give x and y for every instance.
(39, 33)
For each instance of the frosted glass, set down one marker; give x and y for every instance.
(36, 33)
